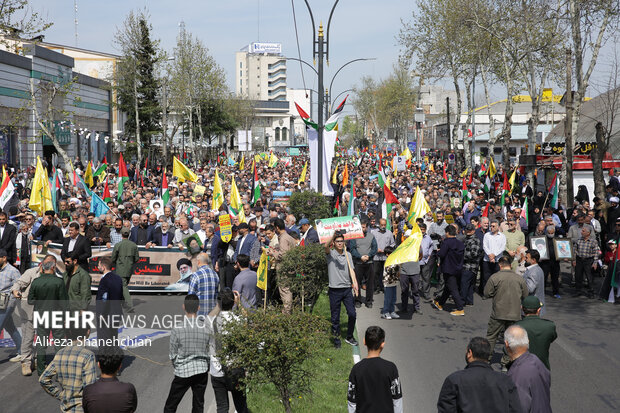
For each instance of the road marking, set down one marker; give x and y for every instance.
(568, 349)
(356, 358)
(9, 370)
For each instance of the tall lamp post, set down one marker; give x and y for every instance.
(419, 120)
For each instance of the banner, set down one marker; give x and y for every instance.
(155, 271)
(225, 228)
(349, 225)
(400, 163)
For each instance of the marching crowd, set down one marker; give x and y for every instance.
(484, 234)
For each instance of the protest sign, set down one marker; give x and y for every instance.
(225, 228)
(349, 225)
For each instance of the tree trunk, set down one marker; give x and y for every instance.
(51, 133)
(284, 394)
(487, 96)
(507, 127)
(459, 108)
(164, 127)
(138, 137)
(466, 147)
(532, 126)
(598, 153)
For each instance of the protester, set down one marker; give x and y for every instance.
(478, 388)
(78, 283)
(534, 276)
(363, 250)
(374, 383)
(204, 284)
(124, 257)
(541, 332)
(451, 261)
(109, 302)
(189, 346)
(530, 376)
(8, 276)
(108, 394)
(245, 282)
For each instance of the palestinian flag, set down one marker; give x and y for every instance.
(106, 192)
(122, 177)
(165, 193)
(333, 119)
(483, 170)
(505, 189)
(471, 178)
(255, 185)
(306, 118)
(337, 207)
(55, 189)
(389, 200)
(383, 179)
(445, 176)
(554, 192)
(102, 168)
(524, 213)
(485, 213)
(359, 160)
(464, 191)
(7, 190)
(352, 196)
(487, 184)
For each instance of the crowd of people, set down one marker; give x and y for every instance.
(504, 245)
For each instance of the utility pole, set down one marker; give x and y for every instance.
(328, 103)
(567, 161)
(448, 123)
(320, 127)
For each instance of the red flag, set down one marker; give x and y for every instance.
(485, 213)
(390, 198)
(105, 161)
(122, 168)
(106, 191)
(471, 178)
(445, 176)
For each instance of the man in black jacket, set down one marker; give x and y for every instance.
(8, 235)
(109, 301)
(76, 243)
(478, 388)
(48, 232)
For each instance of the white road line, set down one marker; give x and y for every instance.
(356, 358)
(6, 372)
(568, 349)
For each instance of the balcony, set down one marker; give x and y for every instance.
(281, 63)
(281, 72)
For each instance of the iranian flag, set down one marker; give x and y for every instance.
(485, 213)
(389, 200)
(106, 192)
(505, 189)
(305, 117)
(122, 177)
(7, 190)
(464, 191)
(554, 191)
(255, 185)
(165, 193)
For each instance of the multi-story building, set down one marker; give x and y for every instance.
(261, 72)
(82, 121)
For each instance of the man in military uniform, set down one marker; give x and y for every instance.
(124, 257)
(540, 331)
(77, 280)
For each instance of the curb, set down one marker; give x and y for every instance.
(356, 349)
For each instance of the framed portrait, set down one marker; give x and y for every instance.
(563, 249)
(540, 244)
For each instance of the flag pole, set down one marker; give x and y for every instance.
(266, 286)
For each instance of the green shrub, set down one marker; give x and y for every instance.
(304, 271)
(275, 348)
(309, 204)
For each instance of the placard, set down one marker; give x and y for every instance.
(449, 219)
(400, 163)
(225, 228)
(349, 225)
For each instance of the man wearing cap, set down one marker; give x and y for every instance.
(124, 257)
(308, 233)
(541, 332)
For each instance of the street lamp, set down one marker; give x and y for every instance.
(419, 120)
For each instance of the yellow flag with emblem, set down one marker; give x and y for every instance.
(40, 195)
(419, 207)
(242, 163)
(302, 177)
(261, 274)
(88, 175)
(218, 194)
(182, 172)
(409, 250)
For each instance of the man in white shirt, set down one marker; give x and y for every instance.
(182, 233)
(494, 244)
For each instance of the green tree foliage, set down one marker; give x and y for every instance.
(303, 270)
(351, 133)
(309, 204)
(17, 18)
(275, 348)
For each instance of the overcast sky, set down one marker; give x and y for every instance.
(360, 28)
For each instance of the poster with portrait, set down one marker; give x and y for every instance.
(350, 226)
(563, 249)
(540, 244)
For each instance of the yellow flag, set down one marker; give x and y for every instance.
(257, 158)
(218, 194)
(88, 175)
(431, 166)
(302, 177)
(235, 200)
(409, 250)
(261, 274)
(407, 154)
(182, 172)
(3, 174)
(273, 160)
(41, 195)
(512, 179)
(492, 170)
(464, 172)
(418, 207)
(335, 175)
(242, 163)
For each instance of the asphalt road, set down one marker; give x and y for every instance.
(585, 361)
(148, 368)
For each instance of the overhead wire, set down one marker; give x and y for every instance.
(303, 80)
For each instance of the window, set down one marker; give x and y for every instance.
(497, 150)
(240, 82)
(284, 134)
(512, 151)
(484, 151)
(240, 65)
(277, 133)
(240, 73)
